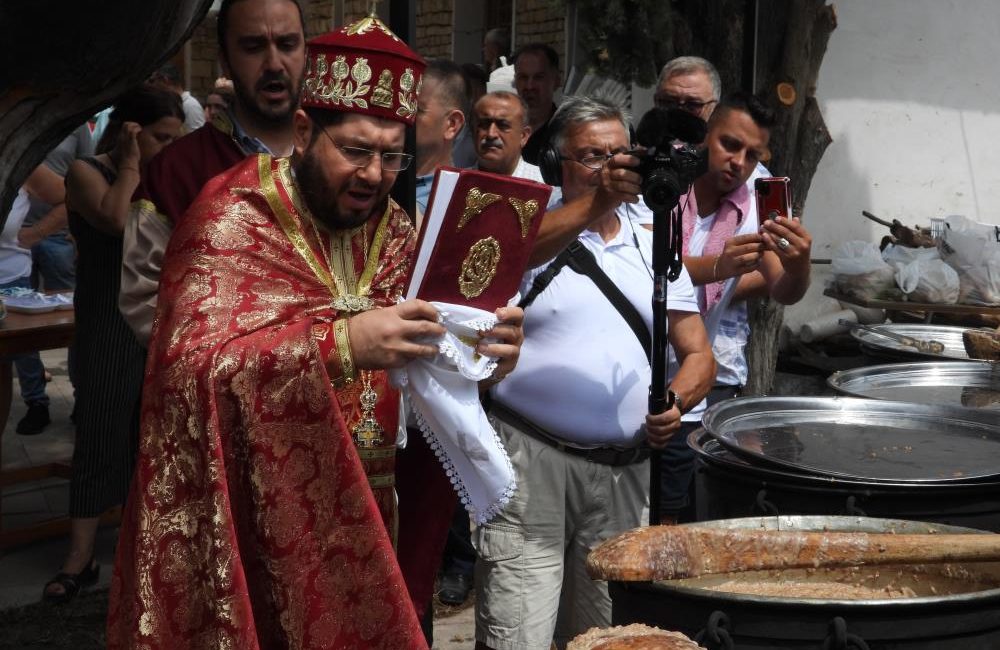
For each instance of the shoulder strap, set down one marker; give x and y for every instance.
(543, 279)
(582, 261)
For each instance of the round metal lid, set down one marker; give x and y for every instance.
(951, 337)
(861, 439)
(974, 384)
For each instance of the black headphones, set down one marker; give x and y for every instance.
(550, 160)
(550, 164)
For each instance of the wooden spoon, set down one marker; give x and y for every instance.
(670, 552)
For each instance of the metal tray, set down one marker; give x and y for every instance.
(712, 452)
(974, 384)
(861, 439)
(951, 337)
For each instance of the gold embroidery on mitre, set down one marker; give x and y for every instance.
(407, 98)
(315, 72)
(479, 267)
(367, 24)
(475, 202)
(338, 90)
(383, 91)
(526, 211)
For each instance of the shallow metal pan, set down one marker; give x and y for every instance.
(713, 452)
(974, 384)
(861, 439)
(950, 336)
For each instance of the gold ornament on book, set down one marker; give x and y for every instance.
(526, 211)
(475, 202)
(479, 267)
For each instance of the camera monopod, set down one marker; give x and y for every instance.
(667, 265)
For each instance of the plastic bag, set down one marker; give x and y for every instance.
(860, 271)
(973, 250)
(899, 256)
(929, 280)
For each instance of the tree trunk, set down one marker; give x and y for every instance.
(792, 36)
(67, 60)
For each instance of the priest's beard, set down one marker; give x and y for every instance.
(322, 199)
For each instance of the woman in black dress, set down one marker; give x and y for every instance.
(109, 361)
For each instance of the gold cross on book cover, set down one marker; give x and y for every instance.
(476, 237)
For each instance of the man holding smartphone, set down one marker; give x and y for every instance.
(732, 256)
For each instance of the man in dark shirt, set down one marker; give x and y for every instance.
(536, 78)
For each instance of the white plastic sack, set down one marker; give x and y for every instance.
(973, 250)
(929, 280)
(860, 271)
(899, 256)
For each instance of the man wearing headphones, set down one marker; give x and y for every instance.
(573, 417)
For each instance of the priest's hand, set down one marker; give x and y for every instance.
(392, 336)
(660, 428)
(509, 335)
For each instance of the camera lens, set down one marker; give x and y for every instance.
(661, 189)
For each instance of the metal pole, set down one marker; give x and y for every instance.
(658, 402)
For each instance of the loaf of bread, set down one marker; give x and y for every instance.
(631, 637)
(982, 344)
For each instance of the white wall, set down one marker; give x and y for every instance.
(910, 90)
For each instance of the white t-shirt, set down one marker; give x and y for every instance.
(582, 374)
(194, 114)
(15, 262)
(727, 324)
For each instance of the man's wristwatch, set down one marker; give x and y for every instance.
(676, 399)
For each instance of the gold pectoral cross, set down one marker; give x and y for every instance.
(367, 432)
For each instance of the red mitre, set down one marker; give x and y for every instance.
(363, 68)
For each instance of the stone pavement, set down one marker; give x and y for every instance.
(25, 570)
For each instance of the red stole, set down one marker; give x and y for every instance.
(251, 522)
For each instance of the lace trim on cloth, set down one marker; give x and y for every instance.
(444, 396)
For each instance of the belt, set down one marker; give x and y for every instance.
(601, 455)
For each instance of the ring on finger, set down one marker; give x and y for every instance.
(783, 243)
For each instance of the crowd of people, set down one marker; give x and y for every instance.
(250, 258)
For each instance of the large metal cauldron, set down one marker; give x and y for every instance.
(728, 486)
(946, 620)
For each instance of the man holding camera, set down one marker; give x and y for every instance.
(573, 417)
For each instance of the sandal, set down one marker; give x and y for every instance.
(71, 583)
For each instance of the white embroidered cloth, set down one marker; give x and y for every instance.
(445, 399)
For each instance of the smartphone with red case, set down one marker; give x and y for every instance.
(774, 197)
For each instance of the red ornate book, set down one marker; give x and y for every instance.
(476, 237)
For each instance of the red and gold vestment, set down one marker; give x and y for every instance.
(256, 520)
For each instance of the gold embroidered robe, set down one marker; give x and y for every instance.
(251, 522)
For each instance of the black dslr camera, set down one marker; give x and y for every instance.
(671, 160)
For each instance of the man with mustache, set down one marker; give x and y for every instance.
(262, 49)
(263, 513)
(501, 130)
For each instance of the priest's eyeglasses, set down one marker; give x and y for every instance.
(392, 161)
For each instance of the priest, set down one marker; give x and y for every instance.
(262, 513)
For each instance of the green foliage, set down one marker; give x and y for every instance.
(625, 40)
